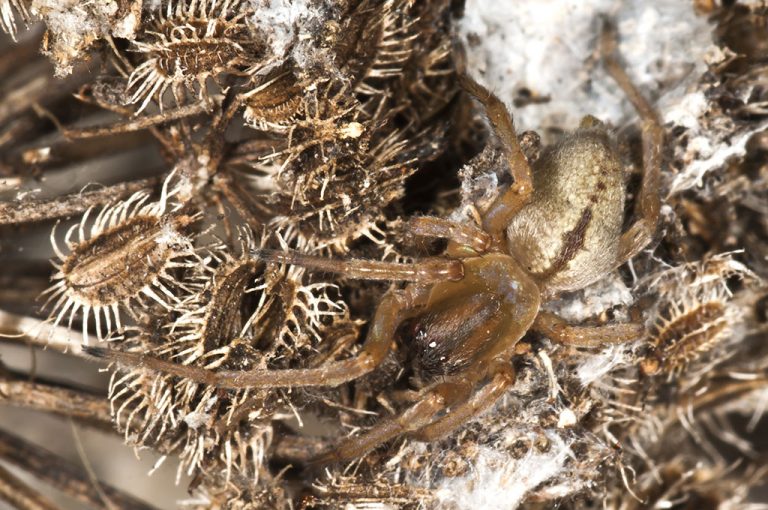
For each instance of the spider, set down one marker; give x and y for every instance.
(557, 227)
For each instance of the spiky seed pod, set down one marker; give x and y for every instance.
(9, 9)
(370, 42)
(374, 42)
(274, 103)
(129, 254)
(694, 313)
(344, 198)
(353, 137)
(238, 314)
(190, 41)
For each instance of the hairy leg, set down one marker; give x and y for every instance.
(503, 377)
(648, 201)
(464, 235)
(412, 419)
(423, 271)
(504, 208)
(558, 330)
(395, 305)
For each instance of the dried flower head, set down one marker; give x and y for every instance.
(236, 314)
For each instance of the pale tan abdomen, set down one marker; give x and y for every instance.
(568, 235)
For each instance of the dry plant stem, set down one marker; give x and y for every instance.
(61, 152)
(21, 496)
(29, 330)
(28, 211)
(26, 95)
(723, 393)
(88, 409)
(132, 125)
(43, 89)
(62, 474)
(215, 140)
(170, 146)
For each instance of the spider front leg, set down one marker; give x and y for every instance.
(648, 202)
(394, 307)
(496, 219)
(466, 334)
(423, 271)
(462, 235)
(503, 378)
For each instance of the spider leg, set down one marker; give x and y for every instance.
(424, 271)
(464, 235)
(648, 202)
(412, 419)
(486, 347)
(394, 306)
(558, 330)
(503, 377)
(506, 206)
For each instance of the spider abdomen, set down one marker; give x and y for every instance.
(568, 234)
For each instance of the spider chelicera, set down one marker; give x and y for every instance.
(557, 227)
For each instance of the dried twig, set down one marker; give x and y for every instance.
(20, 495)
(62, 474)
(84, 407)
(27, 211)
(29, 330)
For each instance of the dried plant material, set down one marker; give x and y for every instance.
(129, 254)
(274, 103)
(315, 140)
(236, 314)
(189, 42)
(345, 491)
(72, 28)
(693, 313)
(9, 11)
(345, 124)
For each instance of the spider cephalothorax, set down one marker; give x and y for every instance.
(470, 307)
